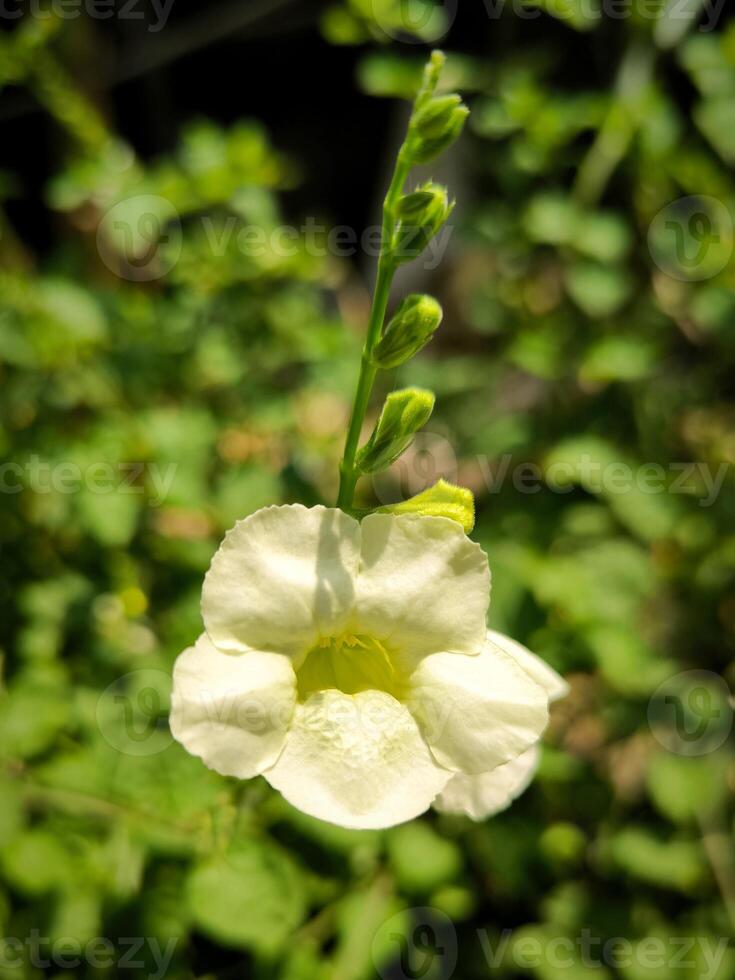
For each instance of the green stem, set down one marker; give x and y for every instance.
(348, 475)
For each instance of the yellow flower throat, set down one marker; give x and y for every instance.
(349, 663)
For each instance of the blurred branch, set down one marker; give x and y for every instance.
(75, 113)
(718, 847)
(13, 253)
(197, 33)
(180, 41)
(25, 57)
(73, 801)
(620, 125)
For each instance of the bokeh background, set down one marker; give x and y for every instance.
(160, 378)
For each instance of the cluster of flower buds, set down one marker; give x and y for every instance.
(414, 218)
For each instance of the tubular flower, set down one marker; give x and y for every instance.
(349, 664)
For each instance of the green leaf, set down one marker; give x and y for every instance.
(251, 897)
(362, 941)
(36, 862)
(77, 915)
(626, 662)
(576, 13)
(421, 859)
(716, 119)
(676, 864)
(687, 789)
(30, 719)
(618, 358)
(598, 290)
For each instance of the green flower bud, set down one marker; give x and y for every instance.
(429, 147)
(420, 215)
(441, 500)
(403, 414)
(436, 116)
(410, 329)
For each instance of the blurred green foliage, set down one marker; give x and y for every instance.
(206, 382)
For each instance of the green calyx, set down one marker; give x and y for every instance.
(403, 414)
(442, 500)
(409, 330)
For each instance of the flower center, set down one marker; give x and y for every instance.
(349, 663)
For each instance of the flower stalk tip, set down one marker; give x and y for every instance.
(410, 221)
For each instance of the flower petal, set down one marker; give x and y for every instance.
(490, 792)
(232, 711)
(357, 761)
(423, 585)
(282, 578)
(478, 712)
(554, 685)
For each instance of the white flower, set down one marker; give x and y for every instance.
(350, 665)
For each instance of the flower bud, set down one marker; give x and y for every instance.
(432, 121)
(410, 329)
(442, 500)
(420, 214)
(447, 126)
(403, 414)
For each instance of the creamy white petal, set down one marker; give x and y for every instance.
(357, 761)
(233, 711)
(489, 792)
(478, 712)
(282, 578)
(554, 685)
(423, 585)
